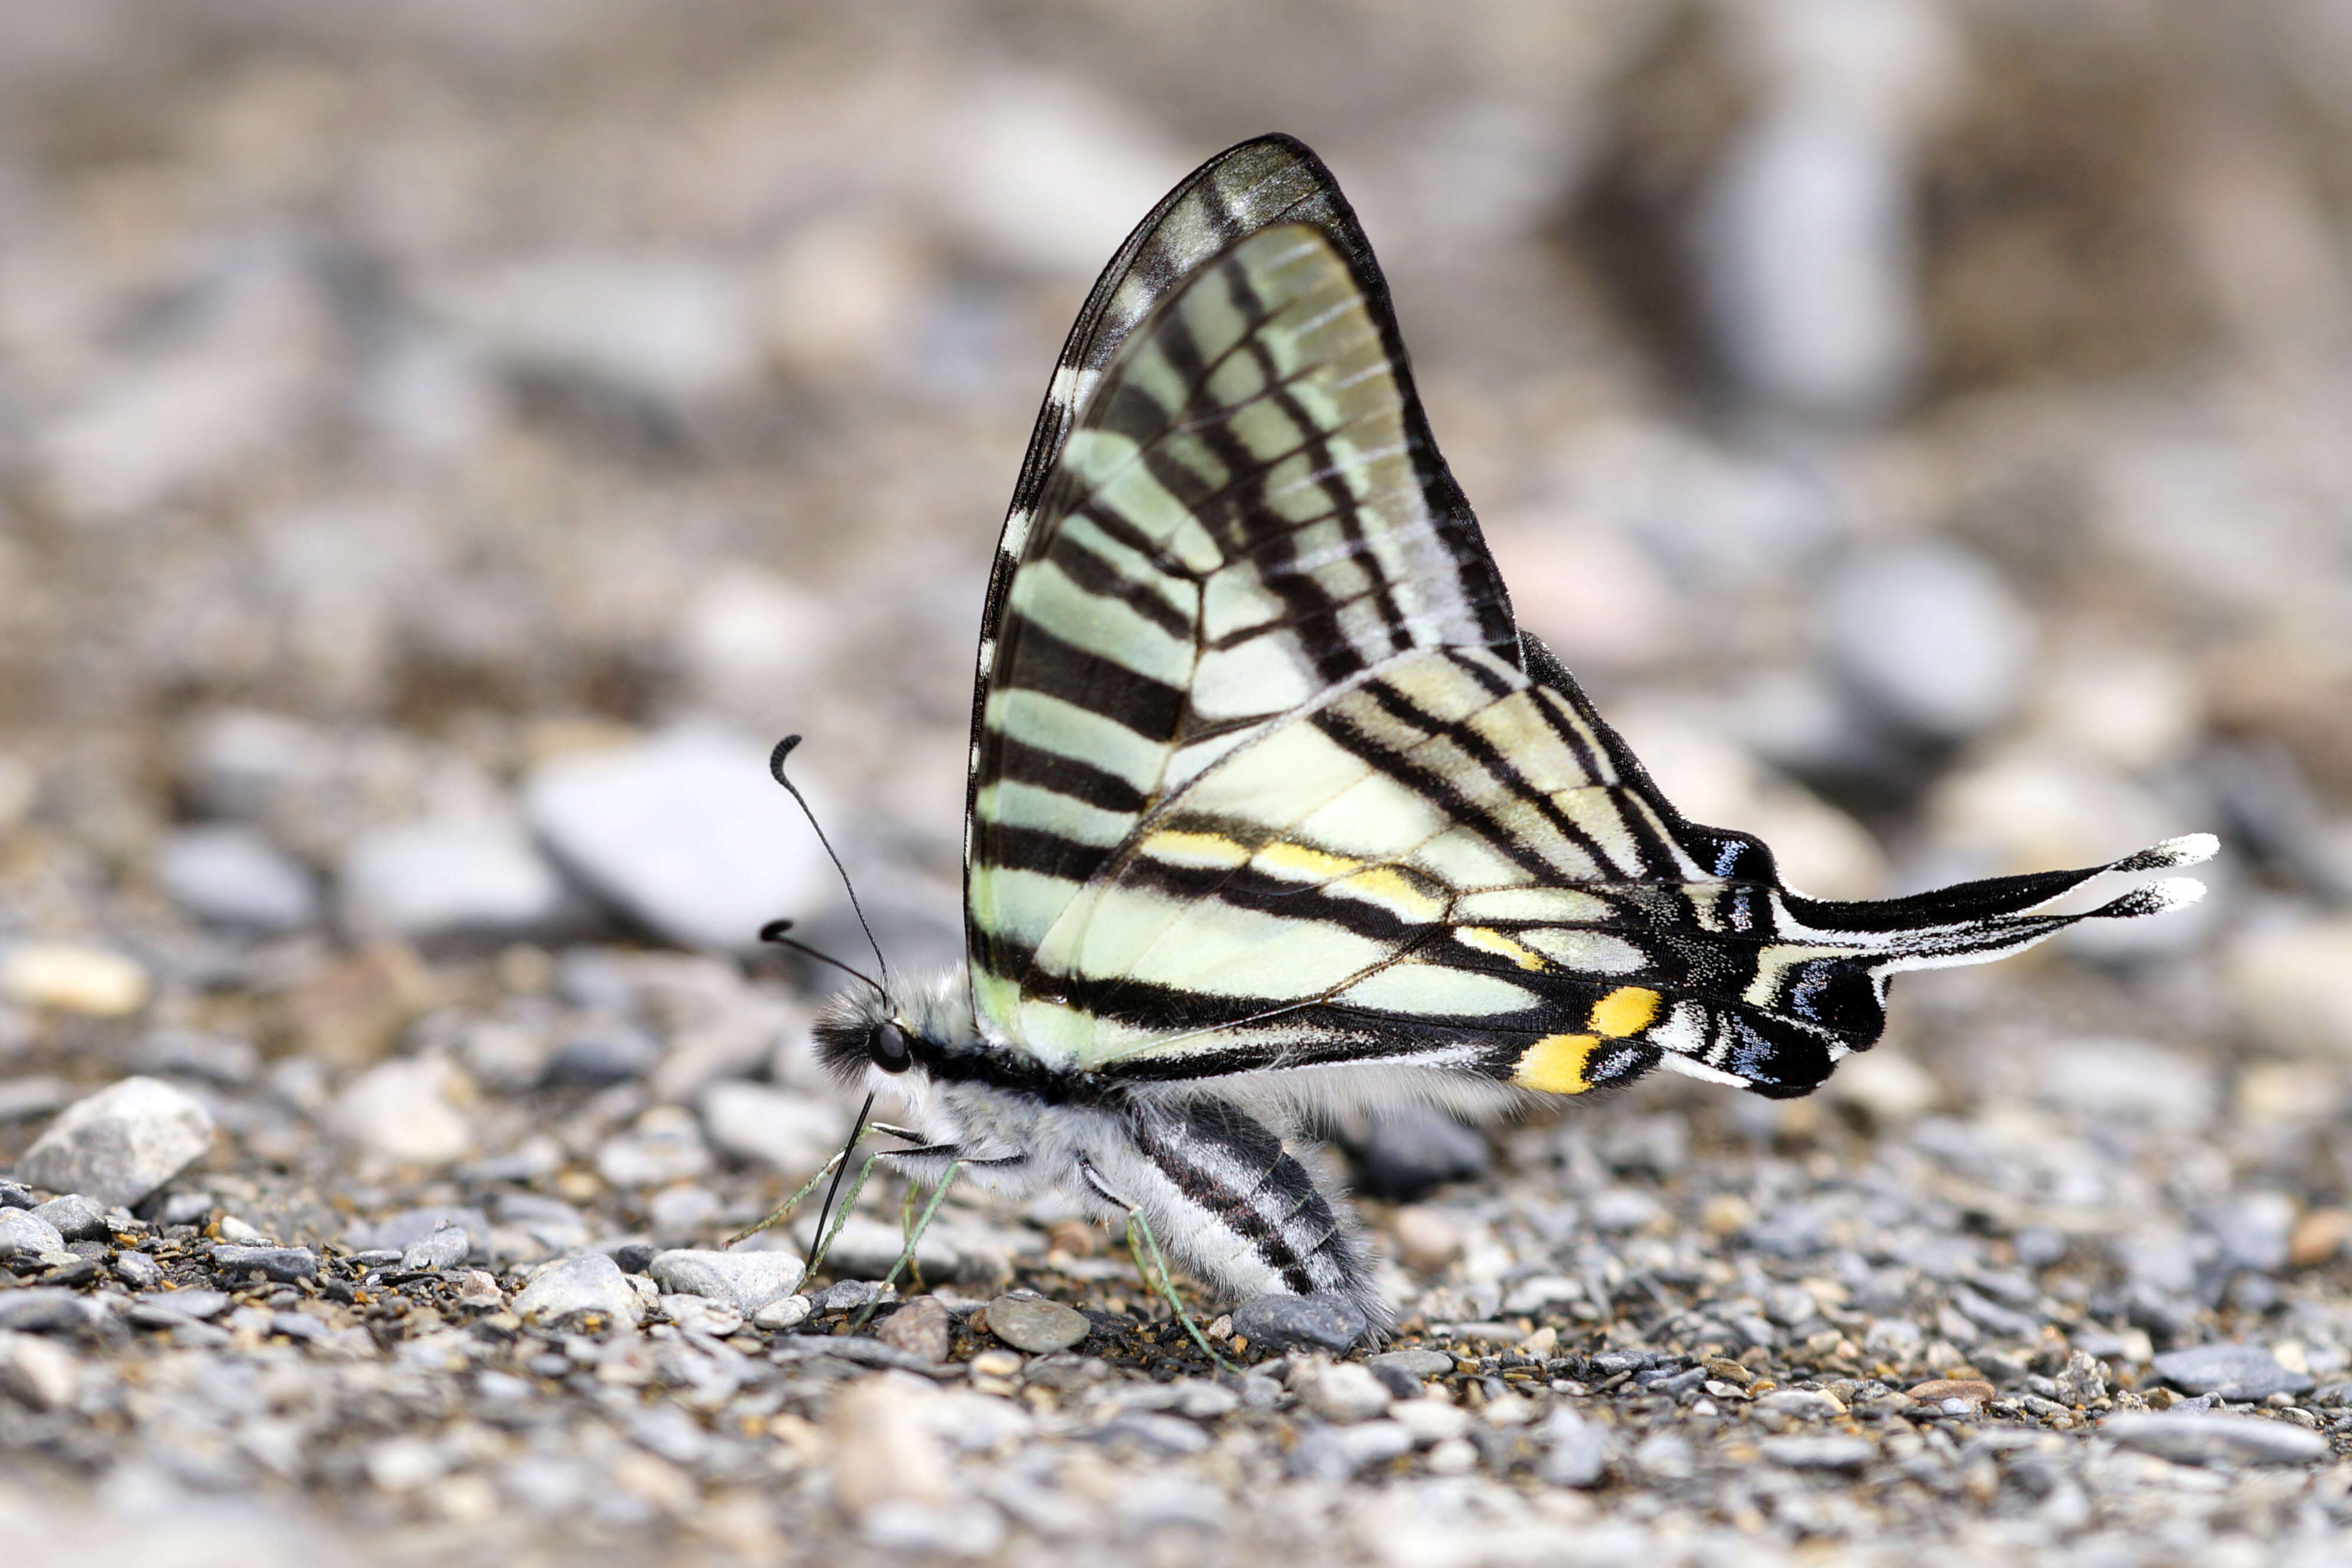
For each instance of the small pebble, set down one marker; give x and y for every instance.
(2232, 1371)
(121, 1144)
(283, 1264)
(444, 1248)
(46, 1308)
(1426, 1240)
(748, 1281)
(788, 1313)
(24, 1233)
(230, 876)
(919, 1328)
(72, 978)
(77, 1217)
(1802, 1403)
(2205, 1437)
(37, 1373)
(883, 1449)
(1314, 1322)
(1823, 1453)
(408, 1110)
(1026, 1320)
(1576, 1450)
(995, 1363)
(1346, 1393)
(569, 1288)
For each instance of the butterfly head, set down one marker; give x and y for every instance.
(890, 1043)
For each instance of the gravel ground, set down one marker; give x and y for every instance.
(435, 444)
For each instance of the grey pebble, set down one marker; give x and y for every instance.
(1285, 1321)
(1026, 1320)
(444, 1248)
(707, 878)
(1166, 1435)
(787, 1314)
(747, 1282)
(77, 1219)
(231, 876)
(1408, 1151)
(24, 1233)
(600, 1057)
(2232, 1371)
(1824, 1453)
(1337, 1453)
(1576, 1450)
(1347, 1392)
(37, 1373)
(17, 1194)
(283, 1264)
(1930, 636)
(921, 1328)
(2204, 1438)
(221, 1059)
(570, 1287)
(377, 1258)
(48, 1309)
(121, 1144)
(453, 881)
(849, 1295)
(137, 1270)
(1416, 1364)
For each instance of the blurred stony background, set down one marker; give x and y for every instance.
(443, 446)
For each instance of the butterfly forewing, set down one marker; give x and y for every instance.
(1243, 518)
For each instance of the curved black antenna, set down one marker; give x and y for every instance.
(773, 931)
(857, 1131)
(776, 767)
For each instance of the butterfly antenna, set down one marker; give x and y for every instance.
(776, 767)
(857, 1131)
(773, 931)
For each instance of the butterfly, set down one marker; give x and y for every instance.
(1274, 812)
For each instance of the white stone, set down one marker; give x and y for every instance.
(24, 1233)
(1431, 1420)
(882, 1446)
(1802, 1403)
(788, 1313)
(1931, 636)
(1886, 1083)
(664, 1145)
(1806, 260)
(38, 1370)
(1347, 1392)
(747, 634)
(434, 880)
(2292, 986)
(233, 876)
(748, 1281)
(121, 1144)
(666, 326)
(73, 977)
(792, 1133)
(590, 1282)
(686, 833)
(407, 1110)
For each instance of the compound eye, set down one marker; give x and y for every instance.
(889, 1049)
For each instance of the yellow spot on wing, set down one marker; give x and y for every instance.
(1200, 850)
(1297, 863)
(1392, 891)
(1628, 1010)
(1555, 1064)
(1491, 941)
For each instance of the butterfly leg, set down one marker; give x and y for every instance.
(914, 1233)
(1165, 1283)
